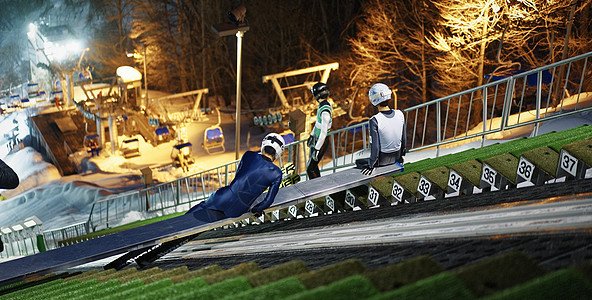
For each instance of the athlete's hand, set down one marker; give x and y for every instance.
(314, 154)
(310, 142)
(367, 171)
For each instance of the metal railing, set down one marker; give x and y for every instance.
(161, 198)
(525, 99)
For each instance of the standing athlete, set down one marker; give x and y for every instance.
(318, 139)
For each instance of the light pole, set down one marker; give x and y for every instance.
(135, 55)
(238, 28)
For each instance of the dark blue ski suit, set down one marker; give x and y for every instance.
(254, 175)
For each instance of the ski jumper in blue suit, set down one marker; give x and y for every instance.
(255, 174)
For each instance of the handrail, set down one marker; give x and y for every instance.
(435, 123)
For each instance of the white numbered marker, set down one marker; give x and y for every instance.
(397, 192)
(373, 196)
(309, 206)
(488, 174)
(424, 186)
(330, 203)
(350, 199)
(568, 163)
(525, 169)
(454, 181)
(276, 214)
(293, 211)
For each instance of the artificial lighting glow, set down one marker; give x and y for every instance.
(128, 74)
(17, 227)
(63, 51)
(74, 46)
(32, 27)
(30, 223)
(6, 230)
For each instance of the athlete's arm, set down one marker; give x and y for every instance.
(273, 190)
(404, 139)
(326, 119)
(8, 178)
(374, 142)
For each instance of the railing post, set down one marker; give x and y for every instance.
(438, 128)
(538, 102)
(484, 92)
(507, 102)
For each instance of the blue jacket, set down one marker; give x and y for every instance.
(254, 175)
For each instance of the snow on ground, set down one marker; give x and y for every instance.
(62, 201)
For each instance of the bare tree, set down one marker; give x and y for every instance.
(391, 44)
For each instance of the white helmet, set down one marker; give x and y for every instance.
(379, 93)
(275, 141)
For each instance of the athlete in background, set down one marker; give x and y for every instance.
(317, 142)
(256, 173)
(388, 137)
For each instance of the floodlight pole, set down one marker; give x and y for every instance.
(145, 79)
(239, 42)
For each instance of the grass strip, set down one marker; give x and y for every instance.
(499, 272)
(96, 294)
(350, 288)
(332, 273)
(562, 284)
(278, 272)
(280, 289)
(397, 275)
(239, 270)
(209, 270)
(219, 290)
(442, 286)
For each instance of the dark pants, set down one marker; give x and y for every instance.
(384, 159)
(313, 165)
(205, 214)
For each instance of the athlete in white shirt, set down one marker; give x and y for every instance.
(387, 132)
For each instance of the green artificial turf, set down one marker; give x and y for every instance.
(384, 186)
(582, 150)
(499, 272)
(219, 290)
(166, 274)
(442, 286)
(469, 170)
(505, 164)
(239, 270)
(87, 290)
(438, 176)
(543, 158)
(403, 273)
(280, 289)
(409, 182)
(138, 290)
(278, 272)
(102, 293)
(332, 273)
(562, 284)
(351, 288)
(209, 270)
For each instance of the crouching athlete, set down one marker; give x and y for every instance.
(256, 172)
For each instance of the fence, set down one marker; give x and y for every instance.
(520, 101)
(23, 238)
